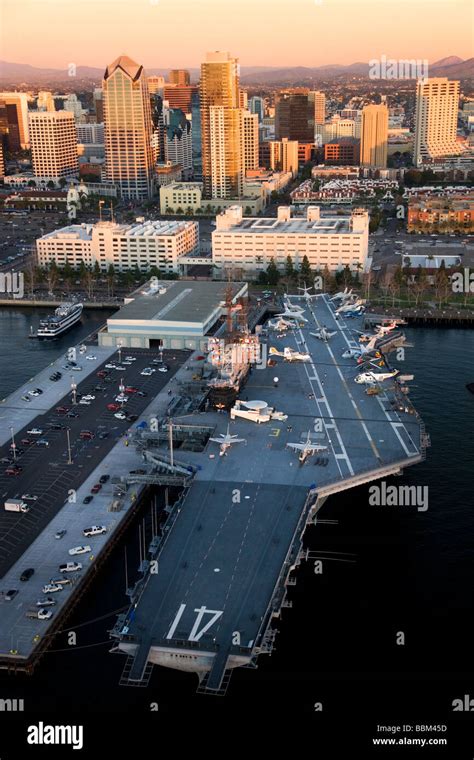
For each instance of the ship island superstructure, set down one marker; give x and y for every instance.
(256, 464)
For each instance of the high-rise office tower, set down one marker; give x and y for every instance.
(155, 84)
(294, 116)
(225, 153)
(128, 129)
(436, 114)
(179, 77)
(98, 105)
(249, 136)
(45, 101)
(221, 126)
(319, 106)
(178, 141)
(180, 96)
(53, 140)
(17, 111)
(374, 136)
(257, 105)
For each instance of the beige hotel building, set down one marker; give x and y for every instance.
(248, 244)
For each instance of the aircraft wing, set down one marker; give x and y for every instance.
(296, 446)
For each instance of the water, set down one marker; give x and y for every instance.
(413, 575)
(22, 358)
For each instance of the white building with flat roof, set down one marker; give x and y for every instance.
(249, 244)
(126, 246)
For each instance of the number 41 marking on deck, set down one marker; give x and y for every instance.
(195, 634)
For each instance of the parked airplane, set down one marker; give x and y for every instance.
(226, 441)
(292, 306)
(306, 449)
(355, 306)
(342, 295)
(323, 334)
(385, 329)
(375, 377)
(356, 353)
(296, 315)
(306, 294)
(280, 324)
(289, 355)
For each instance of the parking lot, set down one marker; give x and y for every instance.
(45, 471)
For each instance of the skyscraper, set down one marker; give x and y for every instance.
(221, 126)
(319, 106)
(294, 115)
(17, 110)
(436, 114)
(374, 136)
(257, 105)
(179, 77)
(128, 128)
(249, 132)
(155, 84)
(53, 140)
(178, 141)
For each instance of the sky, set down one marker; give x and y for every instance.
(177, 33)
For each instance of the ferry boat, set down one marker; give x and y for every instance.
(66, 316)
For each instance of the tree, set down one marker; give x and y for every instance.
(290, 272)
(50, 185)
(305, 270)
(89, 281)
(248, 211)
(111, 280)
(420, 284)
(273, 275)
(52, 277)
(31, 183)
(441, 284)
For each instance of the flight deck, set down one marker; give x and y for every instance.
(219, 575)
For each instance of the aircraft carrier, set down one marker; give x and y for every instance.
(217, 575)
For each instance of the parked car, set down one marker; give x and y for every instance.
(29, 497)
(95, 530)
(14, 469)
(113, 407)
(104, 478)
(26, 574)
(96, 488)
(70, 567)
(27, 441)
(86, 435)
(79, 550)
(87, 499)
(51, 588)
(42, 442)
(120, 415)
(104, 434)
(35, 431)
(60, 533)
(11, 594)
(47, 602)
